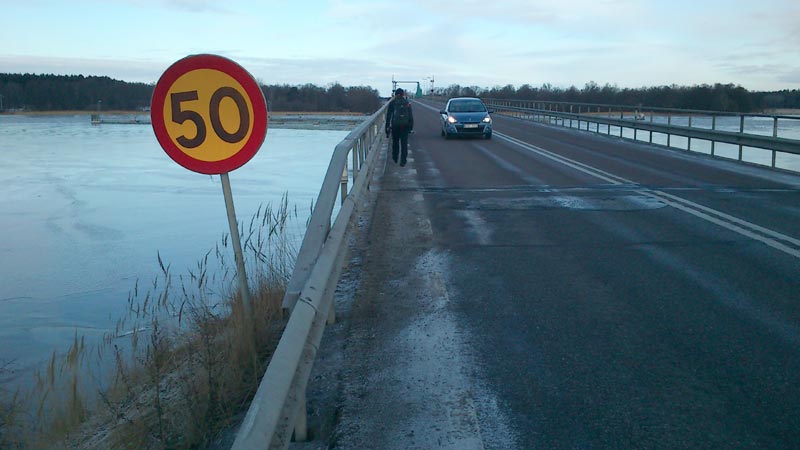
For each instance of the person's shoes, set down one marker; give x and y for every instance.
(402, 163)
(394, 158)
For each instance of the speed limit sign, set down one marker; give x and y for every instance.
(209, 114)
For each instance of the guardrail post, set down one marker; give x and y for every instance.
(344, 182)
(301, 422)
(356, 149)
(689, 138)
(570, 119)
(669, 122)
(774, 134)
(741, 131)
(713, 127)
(598, 123)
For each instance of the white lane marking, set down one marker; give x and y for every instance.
(593, 171)
(427, 106)
(733, 219)
(732, 223)
(744, 232)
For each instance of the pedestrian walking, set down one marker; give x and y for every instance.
(400, 122)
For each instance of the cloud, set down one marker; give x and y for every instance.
(194, 6)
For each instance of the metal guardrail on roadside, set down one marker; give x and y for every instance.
(695, 126)
(279, 406)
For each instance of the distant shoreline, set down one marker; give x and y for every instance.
(330, 121)
(783, 111)
(139, 113)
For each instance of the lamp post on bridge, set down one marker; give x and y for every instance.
(430, 92)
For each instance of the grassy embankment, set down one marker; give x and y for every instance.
(178, 368)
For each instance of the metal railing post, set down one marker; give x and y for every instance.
(669, 122)
(775, 135)
(741, 131)
(598, 123)
(356, 149)
(713, 127)
(301, 421)
(344, 182)
(570, 118)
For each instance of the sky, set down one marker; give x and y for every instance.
(483, 43)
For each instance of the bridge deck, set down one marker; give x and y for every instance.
(558, 289)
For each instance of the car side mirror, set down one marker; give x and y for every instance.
(443, 112)
(491, 111)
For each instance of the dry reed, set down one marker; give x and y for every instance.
(178, 368)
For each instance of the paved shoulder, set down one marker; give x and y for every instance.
(394, 368)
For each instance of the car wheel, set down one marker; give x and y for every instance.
(488, 136)
(442, 130)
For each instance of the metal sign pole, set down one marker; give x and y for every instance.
(237, 245)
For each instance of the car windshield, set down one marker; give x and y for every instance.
(467, 106)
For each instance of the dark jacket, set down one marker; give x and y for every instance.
(390, 113)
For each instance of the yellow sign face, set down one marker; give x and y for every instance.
(208, 115)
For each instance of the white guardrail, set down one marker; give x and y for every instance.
(740, 130)
(279, 406)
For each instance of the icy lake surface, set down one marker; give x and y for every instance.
(85, 210)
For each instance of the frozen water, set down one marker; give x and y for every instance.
(85, 209)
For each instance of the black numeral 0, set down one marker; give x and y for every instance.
(244, 115)
(180, 116)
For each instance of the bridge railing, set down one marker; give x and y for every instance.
(279, 406)
(740, 136)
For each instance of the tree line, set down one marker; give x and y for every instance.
(29, 92)
(717, 97)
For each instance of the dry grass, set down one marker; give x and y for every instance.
(178, 368)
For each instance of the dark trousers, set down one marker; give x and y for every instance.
(400, 143)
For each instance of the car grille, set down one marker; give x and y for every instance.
(460, 128)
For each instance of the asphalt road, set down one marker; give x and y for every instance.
(573, 291)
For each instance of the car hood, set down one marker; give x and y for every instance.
(469, 116)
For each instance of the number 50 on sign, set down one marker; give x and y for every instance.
(209, 114)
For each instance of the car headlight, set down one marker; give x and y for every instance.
(451, 119)
(487, 119)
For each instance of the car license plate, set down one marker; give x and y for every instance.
(470, 125)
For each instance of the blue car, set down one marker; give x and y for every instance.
(466, 116)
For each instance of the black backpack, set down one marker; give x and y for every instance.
(402, 113)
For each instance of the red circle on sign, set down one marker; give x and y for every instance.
(252, 91)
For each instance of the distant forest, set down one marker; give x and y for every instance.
(719, 97)
(29, 92)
